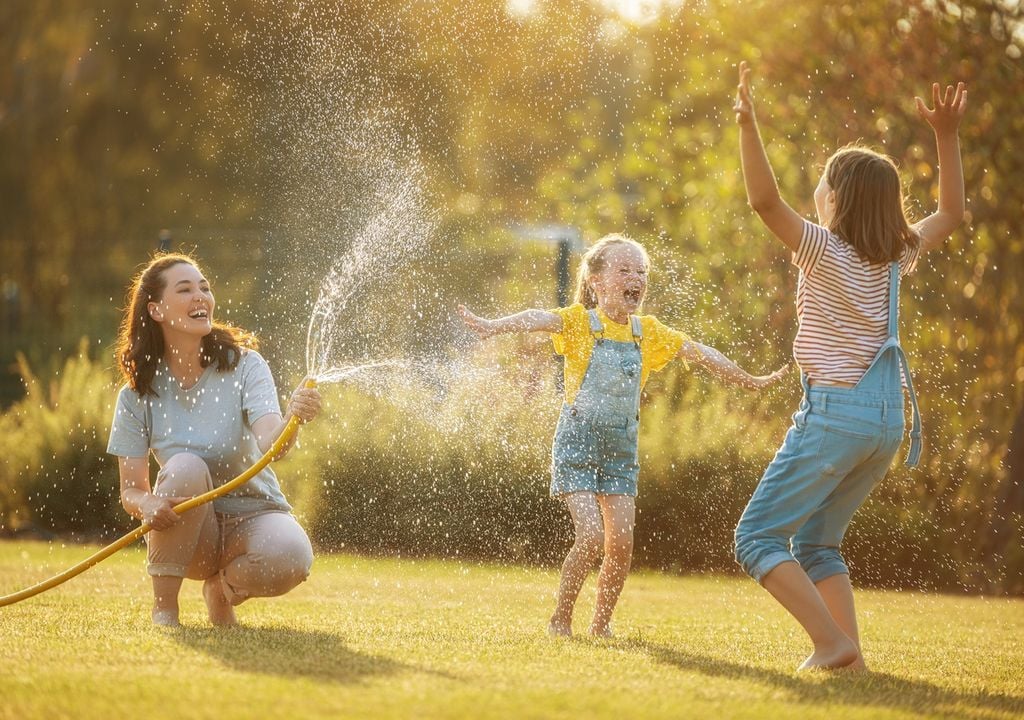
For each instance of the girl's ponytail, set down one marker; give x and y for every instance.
(584, 293)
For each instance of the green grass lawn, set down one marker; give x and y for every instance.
(410, 638)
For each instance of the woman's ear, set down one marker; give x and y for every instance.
(154, 311)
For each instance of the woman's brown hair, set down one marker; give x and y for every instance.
(869, 215)
(140, 342)
(593, 262)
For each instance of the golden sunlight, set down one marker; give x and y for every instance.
(637, 12)
(640, 12)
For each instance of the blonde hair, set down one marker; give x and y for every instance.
(870, 213)
(593, 262)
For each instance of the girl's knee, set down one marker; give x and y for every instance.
(619, 543)
(590, 542)
(820, 561)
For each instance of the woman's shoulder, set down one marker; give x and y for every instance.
(250, 359)
(129, 398)
(126, 393)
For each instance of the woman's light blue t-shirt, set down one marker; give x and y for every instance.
(213, 419)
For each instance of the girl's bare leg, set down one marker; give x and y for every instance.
(837, 592)
(619, 513)
(586, 549)
(833, 648)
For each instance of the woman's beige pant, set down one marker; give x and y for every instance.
(257, 555)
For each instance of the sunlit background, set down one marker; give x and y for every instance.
(424, 154)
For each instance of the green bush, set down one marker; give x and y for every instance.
(56, 475)
(466, 475)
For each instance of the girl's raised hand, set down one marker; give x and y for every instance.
(744, 105)
(483, 328)
(949, 108)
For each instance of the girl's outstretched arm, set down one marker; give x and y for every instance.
(762, 191)
(526, 321)
(725, 369)
(945, 121)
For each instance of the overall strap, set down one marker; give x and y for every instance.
(637, 328)
(914, 456)
(894, 299)
(596, 327)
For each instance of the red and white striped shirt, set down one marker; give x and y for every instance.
(842, 305)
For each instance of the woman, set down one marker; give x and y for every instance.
(203, 401)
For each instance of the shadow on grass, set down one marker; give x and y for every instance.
(865, 689)
(289, 652)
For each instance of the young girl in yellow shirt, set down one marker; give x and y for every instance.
(609, 353)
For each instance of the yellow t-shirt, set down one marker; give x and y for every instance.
(659, 345)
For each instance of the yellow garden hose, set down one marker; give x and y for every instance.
(126, 540)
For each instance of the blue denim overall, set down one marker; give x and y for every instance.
(839, 447)
(595, 447)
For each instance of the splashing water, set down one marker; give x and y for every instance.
(347, 332)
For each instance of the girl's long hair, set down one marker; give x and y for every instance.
(870, 213)
(593, 262)
(140, 342)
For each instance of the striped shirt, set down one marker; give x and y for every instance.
(842, 305)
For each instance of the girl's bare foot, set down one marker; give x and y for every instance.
(220, 610)
(600, 632)
(840, 656)
(857, 666)
(559, 627)
(165, 617)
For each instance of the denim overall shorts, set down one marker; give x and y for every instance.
(838, 448)
(595, 446)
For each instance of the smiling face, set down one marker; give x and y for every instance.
(187, 303)
(621, 283)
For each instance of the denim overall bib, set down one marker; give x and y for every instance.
(595, 446)
(839, 447)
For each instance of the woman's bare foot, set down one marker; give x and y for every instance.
(220, 610)
(165, 617)
(600, 632)
(165, 600)
(842, 655)
(559, 627)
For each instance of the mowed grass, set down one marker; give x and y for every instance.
(411, 638)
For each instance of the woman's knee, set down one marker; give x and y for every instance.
(183, 473)
(288, 562)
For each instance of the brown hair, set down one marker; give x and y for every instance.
(593, 262)
(870, 214)
(140, 342)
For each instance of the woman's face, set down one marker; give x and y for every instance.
(187, 303)
(621, 284)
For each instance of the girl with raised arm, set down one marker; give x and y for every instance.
(849, 424)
